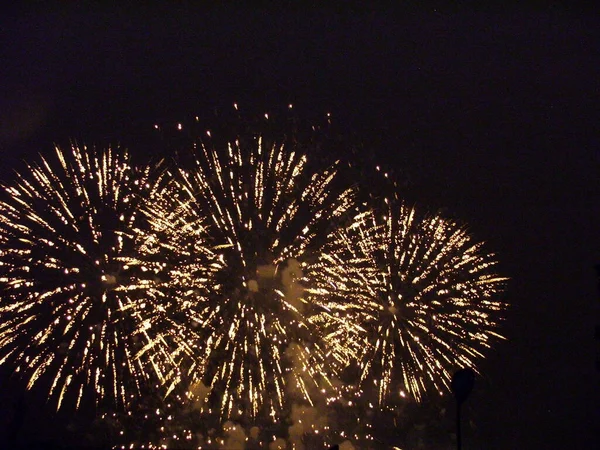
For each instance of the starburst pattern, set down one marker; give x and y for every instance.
(71, 312)
(424, 300)
(268, 215)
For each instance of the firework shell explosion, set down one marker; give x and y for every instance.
(74, 315)
(268, 216)
(422, 300)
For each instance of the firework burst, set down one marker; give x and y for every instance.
(268, 215)
(71, 314)
(423, 300)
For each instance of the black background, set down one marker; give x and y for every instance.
(491, 114)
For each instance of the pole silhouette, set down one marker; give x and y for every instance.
(462, 384)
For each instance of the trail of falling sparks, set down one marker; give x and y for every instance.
(268, 216)
(71, 312)
(423, 301)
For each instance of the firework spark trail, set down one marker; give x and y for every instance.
(68, 314)
(268, 216)
(173, 247)
(423, 300)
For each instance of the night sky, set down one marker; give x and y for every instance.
(490, 115)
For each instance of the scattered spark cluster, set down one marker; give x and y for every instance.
(244, 281)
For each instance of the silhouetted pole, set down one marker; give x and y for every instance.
(462, 384)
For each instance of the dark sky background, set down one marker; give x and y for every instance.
(493, 115)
